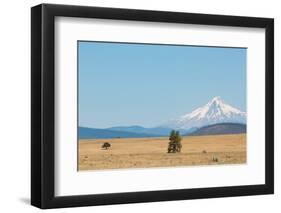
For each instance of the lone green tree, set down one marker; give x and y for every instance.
(175, 142)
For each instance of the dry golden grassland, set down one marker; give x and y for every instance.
(152, 152)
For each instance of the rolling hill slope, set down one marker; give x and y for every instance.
(88, 133)
(220, 129)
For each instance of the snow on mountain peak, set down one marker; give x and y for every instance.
(216, 99)
(215, 111)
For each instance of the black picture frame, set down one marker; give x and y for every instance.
(43, 102)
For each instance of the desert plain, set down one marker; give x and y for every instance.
(152, 152)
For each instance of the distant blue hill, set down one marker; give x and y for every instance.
(127, 132)
(220, 129)
(159, 131)
(88, 133)
(142, 130)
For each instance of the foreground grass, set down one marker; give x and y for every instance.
(152, 152)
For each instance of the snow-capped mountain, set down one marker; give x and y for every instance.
(215, 111)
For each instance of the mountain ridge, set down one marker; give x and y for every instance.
(87, 133)
(215, 111)
(220, 129)
(159, 131)
(140, 129)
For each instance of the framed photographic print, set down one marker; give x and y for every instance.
(139, 106)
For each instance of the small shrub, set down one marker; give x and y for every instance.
(105, 145)
(215, 159)
(204, 152)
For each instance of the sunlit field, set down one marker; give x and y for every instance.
(152, 152)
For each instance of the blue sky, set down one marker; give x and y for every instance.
(124, 84)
